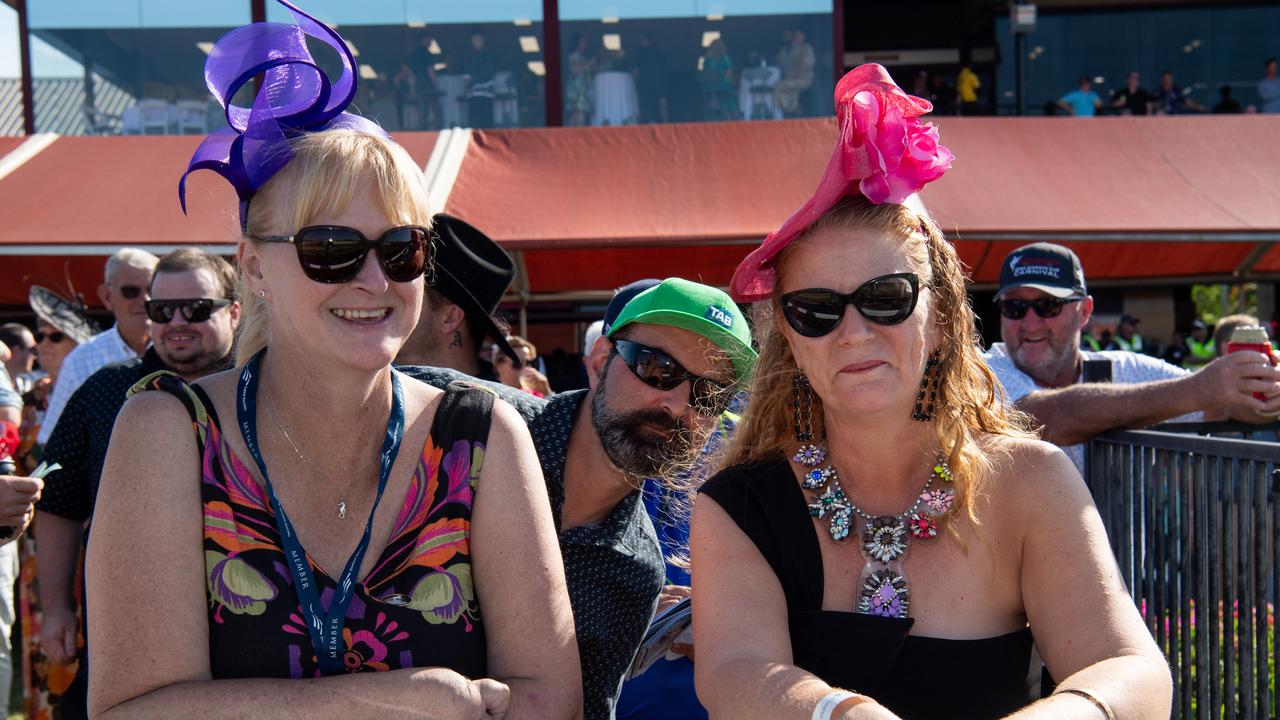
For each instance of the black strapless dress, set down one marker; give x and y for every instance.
(915, 677)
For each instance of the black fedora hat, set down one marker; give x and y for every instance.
(474, 272)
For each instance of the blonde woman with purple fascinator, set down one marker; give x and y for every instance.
(314, 534)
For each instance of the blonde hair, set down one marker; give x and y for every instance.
(970, 403)
(327, 170)
(1226, 326)
(519, 343)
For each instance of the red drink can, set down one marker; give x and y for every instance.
(1251, 337)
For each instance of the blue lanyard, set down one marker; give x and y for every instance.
(325, 626)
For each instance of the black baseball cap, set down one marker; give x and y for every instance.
(624, 295)
(1047, 267)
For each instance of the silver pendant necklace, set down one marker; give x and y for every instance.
(342, 499)
(883, 587)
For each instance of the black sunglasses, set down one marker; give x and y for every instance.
(131, 292)
(659, 370)
(1045, 307)
(194, 310)
(335, 254)
(53, 337)
(885, 300)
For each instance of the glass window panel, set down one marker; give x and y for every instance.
(1205, 48)
(10, 74)
(126, 66)
(643, 61)
(425, 64)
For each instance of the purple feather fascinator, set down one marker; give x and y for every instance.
(296, 97)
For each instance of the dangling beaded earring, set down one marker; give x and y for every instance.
(809, 454)
(929, 386)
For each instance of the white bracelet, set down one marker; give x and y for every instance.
(828, 704)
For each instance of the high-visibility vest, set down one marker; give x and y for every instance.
(1089, 341)
(1201, 353)
(1134, 344)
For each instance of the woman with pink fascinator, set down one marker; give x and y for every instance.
(886, 539)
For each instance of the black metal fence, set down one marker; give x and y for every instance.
(1193, 521)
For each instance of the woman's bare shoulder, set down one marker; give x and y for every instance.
(1026, 471)
(153, 439)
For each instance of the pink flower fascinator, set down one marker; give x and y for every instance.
(884, 152)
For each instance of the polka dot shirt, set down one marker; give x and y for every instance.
(614, 568)
(83, 432)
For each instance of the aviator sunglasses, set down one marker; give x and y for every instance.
(194, 310)
(53, 337)
(659, 370)
(885, 300)
(1045, 307)
(335, 254)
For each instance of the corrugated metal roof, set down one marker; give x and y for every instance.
(60, 106)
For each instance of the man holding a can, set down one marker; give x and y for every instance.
(1077, 394)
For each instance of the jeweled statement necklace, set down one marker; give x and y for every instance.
(882, 585)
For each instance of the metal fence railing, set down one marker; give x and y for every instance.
(1193, 521)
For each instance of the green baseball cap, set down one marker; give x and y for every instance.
(697, 308)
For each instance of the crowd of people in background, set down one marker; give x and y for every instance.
(437, 85)
(1166, 98)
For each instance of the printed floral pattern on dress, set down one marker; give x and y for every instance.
(416, 607)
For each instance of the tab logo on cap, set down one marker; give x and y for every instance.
(1047, 267)
(719, 316)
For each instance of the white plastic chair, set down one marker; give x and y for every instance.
(153, 117)
(192, 117)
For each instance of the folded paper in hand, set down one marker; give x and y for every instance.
(672, 625)
(42, 470)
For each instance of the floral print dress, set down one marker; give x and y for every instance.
(417, 607)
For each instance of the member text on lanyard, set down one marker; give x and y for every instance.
(325, 625)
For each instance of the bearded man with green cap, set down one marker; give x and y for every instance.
(659, 381)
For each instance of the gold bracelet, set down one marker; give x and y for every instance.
(1098, 703)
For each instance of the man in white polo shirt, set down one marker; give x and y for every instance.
(1043, 305)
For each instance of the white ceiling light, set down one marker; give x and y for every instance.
(709, 37)
(205, 47)
(529, 43)
(537, 67)
(368, 73)
(612, 41)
